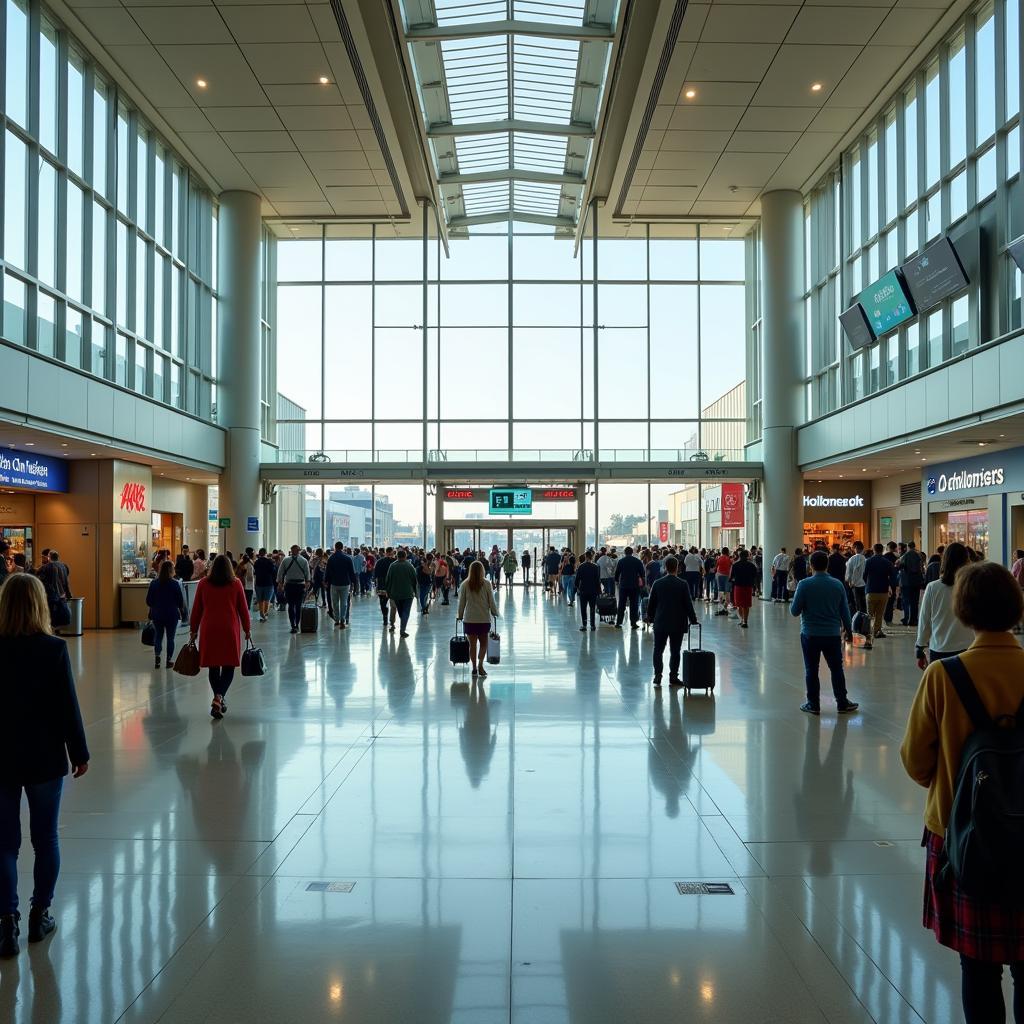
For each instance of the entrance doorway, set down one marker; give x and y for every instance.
(482, 535)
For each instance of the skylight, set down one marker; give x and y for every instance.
(510, 92)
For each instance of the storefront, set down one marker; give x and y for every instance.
(22, 476)
(17, 523)
(836, 513)
(977, 501)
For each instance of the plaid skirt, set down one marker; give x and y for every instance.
(992, 932)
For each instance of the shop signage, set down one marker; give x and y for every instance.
(32, 472)
(225, 522)
(662, 533)
(732, 506)
(965, 480)
(211, 514)
(133, 497)
(713, 504)
(823, 501)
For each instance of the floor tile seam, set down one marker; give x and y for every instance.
(264, 882)
(824, 906)
(341, 782)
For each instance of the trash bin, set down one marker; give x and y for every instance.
(76, 606)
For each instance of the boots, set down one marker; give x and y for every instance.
(9, 933)
(40, 924)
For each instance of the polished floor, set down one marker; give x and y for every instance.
(514, 852)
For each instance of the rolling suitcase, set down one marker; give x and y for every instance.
(458, 648)
(494, 647)
(309, 618)
(643, 612)
(698, 664)
(861, 630)
(607, 607)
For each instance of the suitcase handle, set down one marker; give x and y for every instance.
(689, 637)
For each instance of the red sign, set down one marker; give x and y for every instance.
(133, 497)
(662, 533)
(732, 506)
(557, 494)
(460, 494)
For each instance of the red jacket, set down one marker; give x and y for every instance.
(217, 613)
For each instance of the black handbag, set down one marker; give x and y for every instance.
(253, 662)
(148, 635)
(60, 613)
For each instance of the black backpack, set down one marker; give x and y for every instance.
(985, 835)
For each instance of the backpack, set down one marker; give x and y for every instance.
(984, 845)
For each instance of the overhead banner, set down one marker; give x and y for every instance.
(732, 507)
(662, 533)
(32, 472)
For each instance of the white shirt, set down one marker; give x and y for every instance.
(780, 562)
(855, 570)
(607, 566)
(937, 627)
(693, 563)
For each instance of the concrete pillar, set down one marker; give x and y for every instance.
(238, 366)
(782, 367)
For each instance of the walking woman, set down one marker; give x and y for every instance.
(940, 634)
(219, 611)
(247, 575)
(567, 570)
(40, 729)
(476, 606)
(742, 580)
(166, 603)
(987, 931)
(442, 578)
(425, 582)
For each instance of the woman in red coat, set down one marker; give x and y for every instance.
(219, 613)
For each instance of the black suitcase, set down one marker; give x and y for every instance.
(458, 648)
(698, 664)
(309, 619)
(862, 624)
(607, 606)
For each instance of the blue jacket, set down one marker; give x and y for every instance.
(166, 601)
(340, 571)
(878, 574)
(820, 601)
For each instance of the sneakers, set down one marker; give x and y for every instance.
(9, 932)
(657, 682)
(848, 708)
(217, 707)
(40, 924)
(402, 635)
(810, 709)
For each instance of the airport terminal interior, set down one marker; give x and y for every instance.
(496, 279)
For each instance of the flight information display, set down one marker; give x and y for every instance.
(511, 501)
(886, 304)
(856, 326)
(934, 275)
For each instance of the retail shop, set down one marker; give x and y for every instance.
(22, 476)
(978, 501)
(836, 512)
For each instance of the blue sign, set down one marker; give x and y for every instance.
(997, 473)
(211, 514)
(886, 304)
(32, 472)
(252, 524)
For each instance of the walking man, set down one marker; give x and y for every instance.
(293, 573)
(588, 587)
(629, 575)
(670, 610)
(340, 576)
(820, 602)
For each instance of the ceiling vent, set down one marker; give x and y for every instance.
(910, 493)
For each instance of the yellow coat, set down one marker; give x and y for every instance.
(938, 724)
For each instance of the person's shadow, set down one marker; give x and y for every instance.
(670, 755)
(397, 675)
(826, 792)
(163, 725)
(478, 735)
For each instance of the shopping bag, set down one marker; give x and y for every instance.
(187, 661)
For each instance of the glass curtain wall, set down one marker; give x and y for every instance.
(942, 156)
(107, 252)
(390, 350)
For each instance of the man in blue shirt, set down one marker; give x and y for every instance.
(340, 576)
(879, 570)
(824, 612)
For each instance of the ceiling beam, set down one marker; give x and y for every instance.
(441, 131)
(546, 177)
(505, 215)
(513, 27)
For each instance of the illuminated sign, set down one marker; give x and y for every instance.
(966, 481)
(511, 501)
(461, 494)
(133, 497)
(32, 472)
(821, 501)
(477, 494)
(557, 494)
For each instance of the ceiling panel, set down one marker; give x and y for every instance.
(721, 94)
(730, 62)
(829, 25)
(154, 78)
(259, 142)
(700, 118)
(185, 119)
(762, 142)
(287, 63)
(244, 119)
(693, 22)
(743, 23)
(110, 25)
(277, 169)
(868, 75)
(230, 83)
(777, 119)
(906, 26)
(796, 68)
(317, 118)
(268, 23)
(181, 24)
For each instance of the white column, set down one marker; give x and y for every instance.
(783, 338)
(238, 366)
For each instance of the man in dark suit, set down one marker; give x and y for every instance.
(629, 576)
(670, 609)
(183, 564)
(588, 587)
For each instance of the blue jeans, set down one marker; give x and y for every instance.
(569, 586)
(693, 582)
(165, 627)
(403, 605)
(831, 647)
(424, 596)
(44, 809)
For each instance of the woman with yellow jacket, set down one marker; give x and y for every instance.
(985, 932)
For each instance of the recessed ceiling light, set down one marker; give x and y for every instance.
(201, 83)
(981, 444)
(324, 80)
(93, 454)
(816, 87)
(924, 460)
(30, 444)
(691, 94)
(63, 444)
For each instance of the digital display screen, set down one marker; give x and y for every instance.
(886, 304)
(935, 274)
(1016, 251)
(511, 501)
(856, 326)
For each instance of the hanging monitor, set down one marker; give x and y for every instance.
(935, 274)
(511, 501)
(856, 326)
(1016, 252)
(886, 304)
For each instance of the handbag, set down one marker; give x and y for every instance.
(187, 661)
(253, 662)
(60, 613)
(148, 635)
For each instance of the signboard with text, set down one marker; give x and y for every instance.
(483, 494)
(732, 507)
(510, 501)
(662, 533)
(32, 472)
